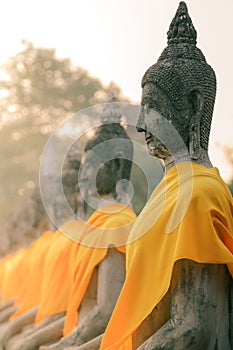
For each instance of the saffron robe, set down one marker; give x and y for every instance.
(34, 259)
(12, 275)
(58, 272)
(103, 230)
(188, 216)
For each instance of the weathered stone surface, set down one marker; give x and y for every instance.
(199, 310)
(196, 313)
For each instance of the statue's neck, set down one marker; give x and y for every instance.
(102, 202)
(124, 199)
(106, 199)
(204, 160)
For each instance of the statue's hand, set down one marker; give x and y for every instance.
(68, 341)
(16, 345)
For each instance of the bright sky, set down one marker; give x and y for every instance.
(119, 39)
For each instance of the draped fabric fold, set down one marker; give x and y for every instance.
(57, 274)
(12, 275)
(189, 215)
(101, 231)
(34, 258)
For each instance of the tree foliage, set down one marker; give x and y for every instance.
(38, 93)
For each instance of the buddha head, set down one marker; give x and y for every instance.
(69, 177)
(107, 158)
(180, 90)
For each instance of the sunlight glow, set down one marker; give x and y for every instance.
(118, 40)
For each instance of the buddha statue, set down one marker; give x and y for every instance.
(106, 162)
(96, 288)
(177, 291)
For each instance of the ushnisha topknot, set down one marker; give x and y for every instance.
(111, 130)
(181, 28)
(110, 127)
(111, 112)
(181, 69)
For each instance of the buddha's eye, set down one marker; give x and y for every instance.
(147, 103)
(148, 106)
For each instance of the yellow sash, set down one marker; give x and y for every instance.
(28, 296)
(101, 233)
(12, 275)
(57, 276)
(199, 227)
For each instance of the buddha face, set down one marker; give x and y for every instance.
(105, 164)
(97, 177)
(166, 129)
(87, 177)
(152, 123)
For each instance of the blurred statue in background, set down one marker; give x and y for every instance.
(30, 218)
(105, 172)
(22, 271)
(98, 263)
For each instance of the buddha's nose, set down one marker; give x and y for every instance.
(141, 126)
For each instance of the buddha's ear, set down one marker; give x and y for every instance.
(123, 189)
(196, 102)
(119, 168)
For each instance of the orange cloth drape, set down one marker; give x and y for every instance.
(103, 229)
(28, 296)
(189, 215)
(12, 275)
(58, 272)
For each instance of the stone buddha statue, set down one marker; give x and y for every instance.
(181, 87)
(181, 298)
(107, 161)
(105, 166)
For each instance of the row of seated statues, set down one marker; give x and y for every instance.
(117, 281)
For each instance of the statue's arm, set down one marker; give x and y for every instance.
(111, 275)
(6, 313)
(46, 322)
(93, 344)
(8, 303)
(197, 295)
(15, 326)
(7, 310)
(30, 334)
(49, 333)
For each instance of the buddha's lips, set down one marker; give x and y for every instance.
(150, 143)
(149, 138)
